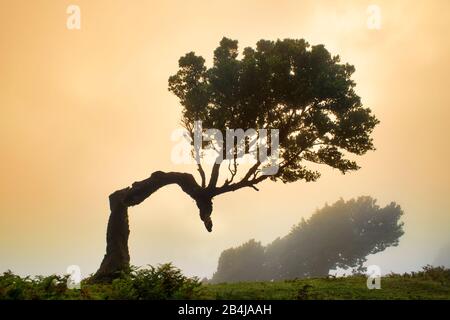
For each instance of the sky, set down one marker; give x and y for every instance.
(86, 112)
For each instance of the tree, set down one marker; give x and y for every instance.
(338, 236)
(241, 264)
(301, 90)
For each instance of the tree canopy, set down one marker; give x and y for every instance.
(341, 235)
(301, 90)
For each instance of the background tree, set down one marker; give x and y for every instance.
(338, 236)
(242, 263)
(302, 90)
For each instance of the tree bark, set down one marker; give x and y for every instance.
(117, 257)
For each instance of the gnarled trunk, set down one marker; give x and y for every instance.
(117, 257)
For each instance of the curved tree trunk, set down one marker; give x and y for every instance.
(117, 257)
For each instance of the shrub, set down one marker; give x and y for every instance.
(155, 283)
(440, 274)
(14, 287)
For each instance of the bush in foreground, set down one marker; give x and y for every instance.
(154, 283)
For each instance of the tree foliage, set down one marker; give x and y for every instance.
(302, 90)
(338, 236)
(242, 263)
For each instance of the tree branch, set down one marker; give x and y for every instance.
(238, 185)
(202, 174)
(252, 170)
(214, 175)
(141, 190)
(232, 171)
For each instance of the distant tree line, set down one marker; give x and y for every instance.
(341, 235)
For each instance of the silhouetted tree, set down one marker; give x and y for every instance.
(338, 236)
(241, 263)
(302, 90)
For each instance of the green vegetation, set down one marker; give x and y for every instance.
(432, 283)
(163, 282)
(340, 235)
(167, 282)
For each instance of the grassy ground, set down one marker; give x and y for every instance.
(167, 282)
(354, 287)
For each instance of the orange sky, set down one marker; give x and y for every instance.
(86, 112)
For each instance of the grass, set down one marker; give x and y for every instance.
(167, 282)
(349, 288)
